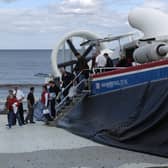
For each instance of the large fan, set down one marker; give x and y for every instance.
(71, 42)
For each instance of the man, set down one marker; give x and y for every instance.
(20, 97)
(53, 91)
(122, 62)
(67, 78)
(45, 103)
(109, 62)
(101, 62)
(92, 63)
(30, 105)
(83, 68)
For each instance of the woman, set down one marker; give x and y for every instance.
(45, 103)
(12, 108)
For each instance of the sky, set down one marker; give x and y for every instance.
(39, 24)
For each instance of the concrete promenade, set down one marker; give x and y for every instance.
(39, 146)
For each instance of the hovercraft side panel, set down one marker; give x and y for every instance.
(135, 118)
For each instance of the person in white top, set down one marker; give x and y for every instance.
(20, 96)
(45, 102)
(101, 61)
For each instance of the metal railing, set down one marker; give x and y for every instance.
(103, 69)
(111, 68)
(63, 101)
(76, 77)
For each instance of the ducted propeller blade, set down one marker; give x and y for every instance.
(72, 47)
(68, 63)
(85, 43)
(88, 50)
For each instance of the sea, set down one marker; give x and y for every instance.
(20, 67)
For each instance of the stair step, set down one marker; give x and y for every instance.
(86, 91)
(66, 108)
(79, 95)
(76, 100)
(64, 112)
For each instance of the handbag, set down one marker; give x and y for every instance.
(46, 111)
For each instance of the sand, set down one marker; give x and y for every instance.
(39, 146)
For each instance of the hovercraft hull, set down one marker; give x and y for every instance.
(134, 117)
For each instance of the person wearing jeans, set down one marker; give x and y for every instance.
(53, 92)
(12, 107)
(45, 103)
(30, 104)
(10, 118)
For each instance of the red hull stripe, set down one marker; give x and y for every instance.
(130, 69)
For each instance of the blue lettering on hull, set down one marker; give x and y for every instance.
(111, 83)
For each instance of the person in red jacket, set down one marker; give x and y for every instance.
(45, 102)
(12, 107)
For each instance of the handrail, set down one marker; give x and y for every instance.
(98, 68)
(67, 87)
(105, 68)
(72, 81)
(110, 68)
(102, 69)
(65, 98)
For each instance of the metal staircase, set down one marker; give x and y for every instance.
(67, 104)
(68, 107)
(75, 101)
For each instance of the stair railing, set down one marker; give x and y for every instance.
(63, 101)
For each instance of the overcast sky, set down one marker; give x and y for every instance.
(31, 24)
